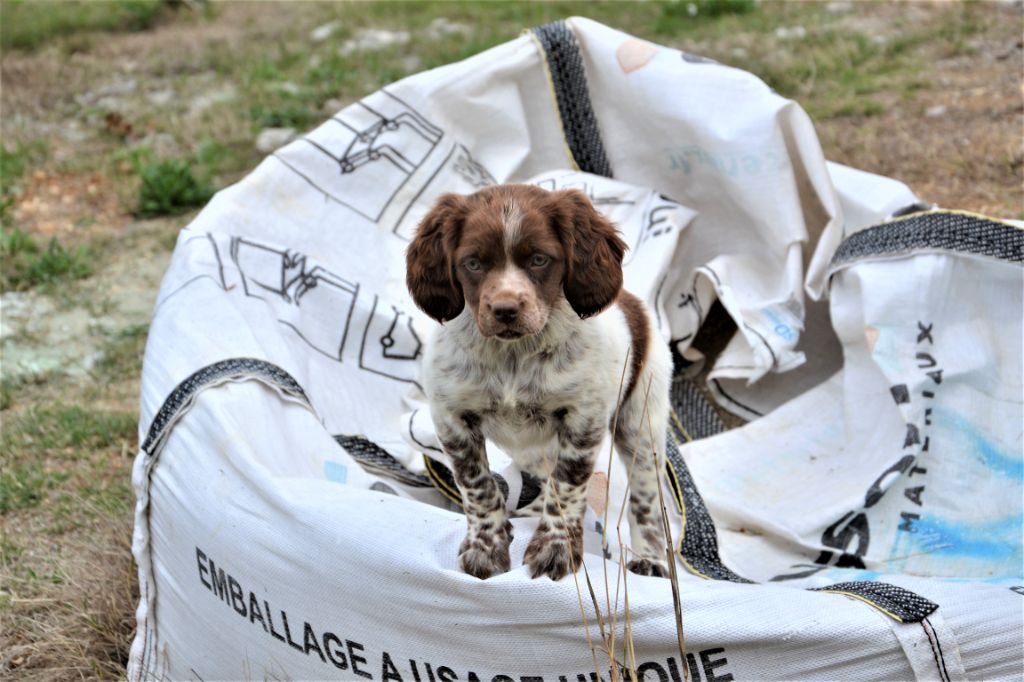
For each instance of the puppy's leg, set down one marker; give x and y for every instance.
(556, 548)
(484, 552)
(642, 455)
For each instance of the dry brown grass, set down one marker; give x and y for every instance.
(969, 156)
(80, 625)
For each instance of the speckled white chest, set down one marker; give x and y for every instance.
(521, 389)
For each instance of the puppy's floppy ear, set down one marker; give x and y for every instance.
(593, 251)
(428, 267)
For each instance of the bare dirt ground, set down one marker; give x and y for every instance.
(927, 93)
(957, 141)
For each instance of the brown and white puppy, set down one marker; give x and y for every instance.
(539, 332)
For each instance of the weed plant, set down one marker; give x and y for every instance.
(169, 187)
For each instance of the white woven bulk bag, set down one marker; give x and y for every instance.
(295, 518)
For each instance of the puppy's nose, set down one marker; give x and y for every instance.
(505, 311)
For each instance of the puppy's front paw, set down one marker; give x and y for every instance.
(553, 553)
(652, 567)
(484, 556)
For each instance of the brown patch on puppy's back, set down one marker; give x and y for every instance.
(635, 313)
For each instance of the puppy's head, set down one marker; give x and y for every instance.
(511, 252)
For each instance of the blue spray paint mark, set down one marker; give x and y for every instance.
(842, 575)
(993, 541)
(994, 457)
(335, 471)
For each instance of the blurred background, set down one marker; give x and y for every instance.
(120, 118)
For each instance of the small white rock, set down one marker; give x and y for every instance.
(740, 52)
(288, 87)
(161, 97)
(107, 92)
(270, 139)
(73, 132)
(443, 27)
(936, 111)
(373, 39)
(225, 93)
(333, 105)
(90, 360)
(839, 7)
(162, 144)
(324, 31)
(791, 33)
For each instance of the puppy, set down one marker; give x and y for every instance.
(541, 351)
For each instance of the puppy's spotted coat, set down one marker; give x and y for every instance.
(538, 331)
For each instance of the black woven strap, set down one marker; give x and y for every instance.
(901, 604)
(934, 230)
(695, 417)
(565, 65)
(698, 541)
(232, 369)
(375, 458)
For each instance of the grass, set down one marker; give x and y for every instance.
(13, 163)
(672, 13)
(69, 592)
(70, 460)
(25, 486)
(26, 265)
(64, 431)
(81, 611)
(29, 24)
(283, 116)
(170, 187)
(12, 166)
(122, 353)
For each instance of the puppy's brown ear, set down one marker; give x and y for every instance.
(593, 251)
(428, 267)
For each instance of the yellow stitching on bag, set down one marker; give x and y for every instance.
(866, 601)
(440, 483)
(682, 513)
(942, 211)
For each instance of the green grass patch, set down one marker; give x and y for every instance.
(64, 429)
(28, 24)
(12, 166)
(225, 157)
(283, 116)
(170, 187)
(676, 16)
(14, 388)
(834, 72)
(64, 455)
(23, 487)
(122, 353)
(26, 265)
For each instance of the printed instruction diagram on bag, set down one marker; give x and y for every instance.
(323, 309)
(377, 158)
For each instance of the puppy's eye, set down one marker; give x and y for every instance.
(539, 260)
(472, 264)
